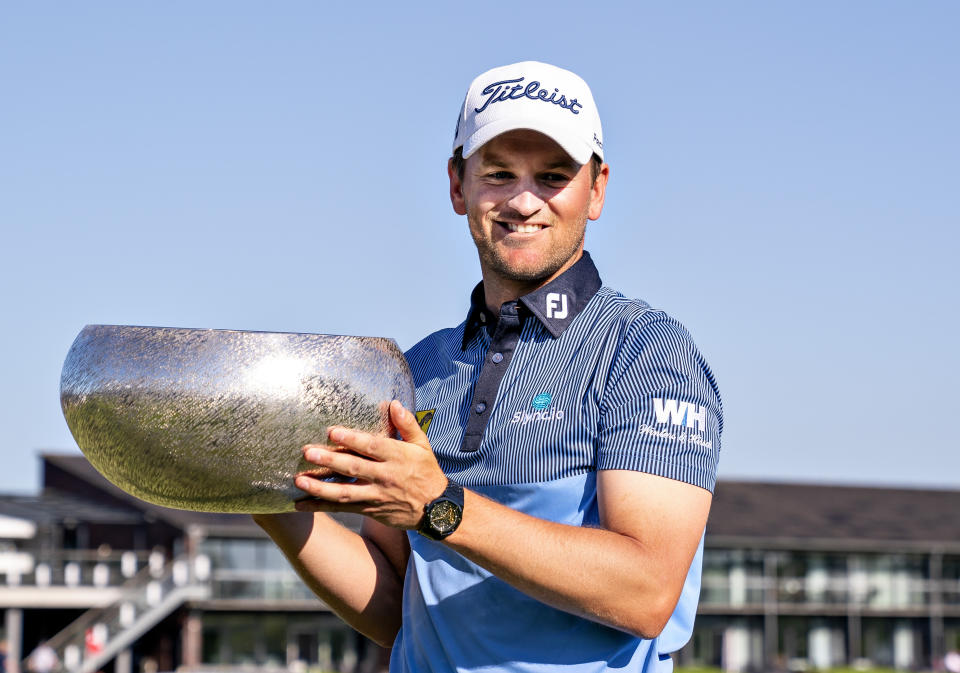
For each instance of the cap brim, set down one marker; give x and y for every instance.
(563, 135)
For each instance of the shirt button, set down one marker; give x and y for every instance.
(483, 317)
(497, 357)
(481, 408)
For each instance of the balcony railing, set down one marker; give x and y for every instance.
(92, 569)
(259, 585)
(75, 568)
(880, 593)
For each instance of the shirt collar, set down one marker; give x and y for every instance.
(555, 304)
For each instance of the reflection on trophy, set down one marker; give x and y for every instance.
(214, 420)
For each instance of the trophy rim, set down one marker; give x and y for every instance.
(229, 330)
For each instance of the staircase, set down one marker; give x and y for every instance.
(101, 634)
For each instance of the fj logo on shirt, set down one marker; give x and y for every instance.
(540, 412)
(556, 305)
(424, 418)
(680, 413)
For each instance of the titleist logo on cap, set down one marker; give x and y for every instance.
(500, 91)
(527, 85)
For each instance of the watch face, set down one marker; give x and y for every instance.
(444, 516)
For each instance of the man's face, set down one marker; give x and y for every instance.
(527, 203)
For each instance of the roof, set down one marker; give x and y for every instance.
(834, 516)
(53, 507)
(78, 466)
(214, 523)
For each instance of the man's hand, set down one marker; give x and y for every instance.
(394, 479)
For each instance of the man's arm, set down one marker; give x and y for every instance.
(359, 576)
(627, 574)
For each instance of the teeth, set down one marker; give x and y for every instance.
(523, 228)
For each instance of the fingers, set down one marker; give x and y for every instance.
(367, 445)
(406, 424)
(342, 463)
(382, 448)
(361, 442)
(335, 495)
(387, 479)
(359, 498)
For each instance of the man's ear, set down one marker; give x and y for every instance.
(598, 193)
(456, 189)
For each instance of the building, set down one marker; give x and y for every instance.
(800, 576)
(112, 582)
(796, 577)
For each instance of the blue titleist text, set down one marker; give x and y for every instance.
(501, 91)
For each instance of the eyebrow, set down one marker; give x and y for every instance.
(498, 162)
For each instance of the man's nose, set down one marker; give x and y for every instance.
(526, 201)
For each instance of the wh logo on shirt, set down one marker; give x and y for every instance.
(680, 413)
(555, 300)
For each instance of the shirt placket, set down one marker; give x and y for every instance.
(500, 352)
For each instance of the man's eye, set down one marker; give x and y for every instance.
(555, 177)
(500, 175)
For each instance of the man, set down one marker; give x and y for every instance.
(552, 513)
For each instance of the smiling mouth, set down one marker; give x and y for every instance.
(521, 227)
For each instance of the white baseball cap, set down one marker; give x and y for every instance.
(531, 95)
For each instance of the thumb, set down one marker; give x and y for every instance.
(406, 424)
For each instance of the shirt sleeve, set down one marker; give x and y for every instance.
(660, 410)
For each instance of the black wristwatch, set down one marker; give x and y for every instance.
(442, 516)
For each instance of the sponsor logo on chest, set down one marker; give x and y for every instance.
(424, 418)
(541, 411)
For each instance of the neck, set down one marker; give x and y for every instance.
(498, 290)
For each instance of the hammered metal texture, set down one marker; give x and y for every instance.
(214, 420)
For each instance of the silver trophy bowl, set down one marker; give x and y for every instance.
(214, 420)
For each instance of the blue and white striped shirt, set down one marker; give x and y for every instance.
(524, 409)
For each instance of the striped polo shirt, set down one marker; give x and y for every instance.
(525, 408)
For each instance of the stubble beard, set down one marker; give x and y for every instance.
(491, 260)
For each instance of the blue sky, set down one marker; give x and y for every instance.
(785, 180)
